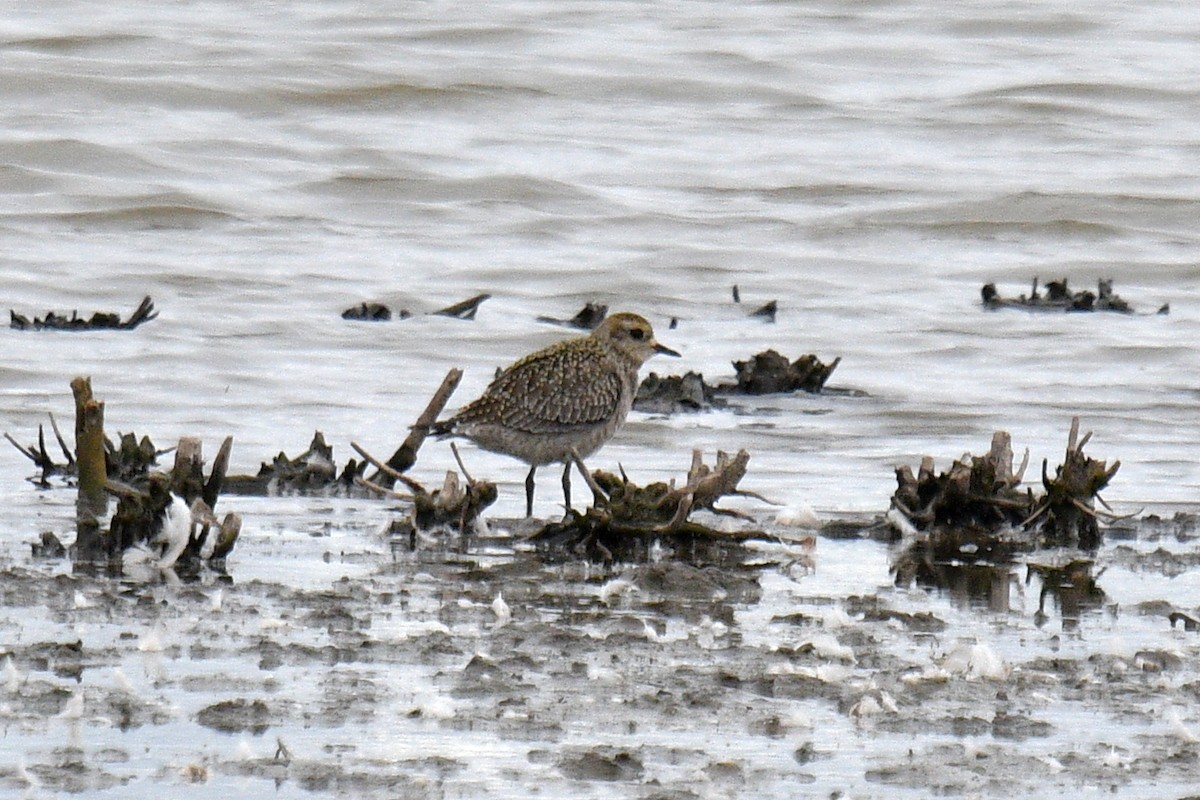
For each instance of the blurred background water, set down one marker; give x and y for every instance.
(869, 165)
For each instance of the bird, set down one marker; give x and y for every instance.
(562, 402)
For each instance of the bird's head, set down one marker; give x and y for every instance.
(631, 336)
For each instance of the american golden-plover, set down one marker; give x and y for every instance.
(565, 400)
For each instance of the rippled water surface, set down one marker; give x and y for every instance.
(868, 165)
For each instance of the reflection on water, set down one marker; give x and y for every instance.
(983, 573)
(1071, 587)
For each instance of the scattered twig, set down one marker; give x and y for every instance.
(591, 315)
(406, 455)
(598, 494)
(373, 484)
(464, 310)
(66, 451)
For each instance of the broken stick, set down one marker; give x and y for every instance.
(89, 447)
(406, 455)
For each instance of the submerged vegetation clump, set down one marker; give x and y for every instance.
(373, 311)
(101, 320)
(625, 520)
(983, 494)
(169, 515)
(1059, 297)
(768, 372)
(312, 472)
(969, 524)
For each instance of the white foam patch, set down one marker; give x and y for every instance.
(975, 661)
(799, 515)
(827, 646)
(502, 611)
(12, 676)
(616, 589)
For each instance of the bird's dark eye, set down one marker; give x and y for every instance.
(637, 334)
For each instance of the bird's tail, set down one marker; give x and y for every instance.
(441, 429)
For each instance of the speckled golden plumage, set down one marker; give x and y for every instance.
(569, 397)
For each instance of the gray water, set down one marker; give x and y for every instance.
(869, 165)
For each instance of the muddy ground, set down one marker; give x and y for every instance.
(333, 659)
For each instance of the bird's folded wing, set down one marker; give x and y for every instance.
(539, 397)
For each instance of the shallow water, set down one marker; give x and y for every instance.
(338, 661)
(869, 166)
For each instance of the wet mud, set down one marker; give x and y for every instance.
(333, 658)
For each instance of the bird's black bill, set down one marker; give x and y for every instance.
(666, 351)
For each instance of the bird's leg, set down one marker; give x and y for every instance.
(529, 492)
(567, 485)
